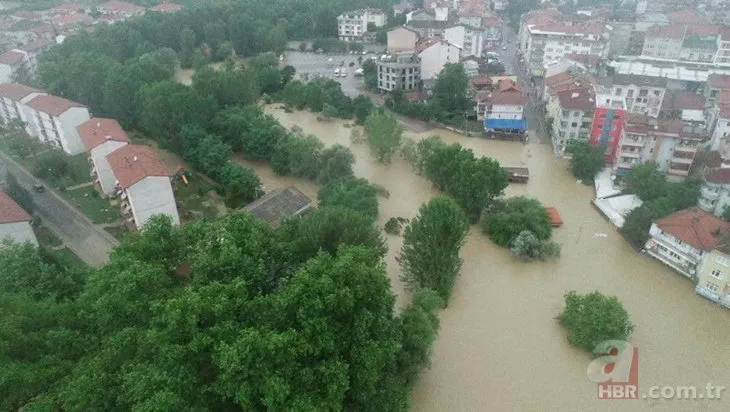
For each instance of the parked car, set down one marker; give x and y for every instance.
(39, 188)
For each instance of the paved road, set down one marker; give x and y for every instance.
(324, 64)
(90, 243)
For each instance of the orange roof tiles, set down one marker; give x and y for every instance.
(11, 212)
(52, 105)
(98, 130)
(16, 91)
(11, 57)
(695, 227)
(132, 163)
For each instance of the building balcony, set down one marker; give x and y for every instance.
(632, 143)
(685, 268)
(705, 205)
(720, 297)
(682, 160)
(678, 172)
(634, 154)
(667, 243)
(685, 149)
(708, 194)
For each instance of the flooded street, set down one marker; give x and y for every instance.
(499, 346)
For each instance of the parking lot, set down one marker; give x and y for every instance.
(324, 65)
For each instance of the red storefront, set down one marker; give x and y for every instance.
(608, 124)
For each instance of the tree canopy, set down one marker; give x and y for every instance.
(384, 135)
(508, 218)
(594, 318)
(586, 160)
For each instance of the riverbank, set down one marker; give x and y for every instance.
(499, 343)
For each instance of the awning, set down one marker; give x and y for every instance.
(499, 124)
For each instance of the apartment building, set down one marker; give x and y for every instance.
(101, 137)
(352, 25)
(402, 39)
(23, 60)
(399, 71)
(663, 41)
(713, 274)
(13, 97)
(686, 42)
(642, 94)
(682, 240)
(14, 222)
(572, 117)
(502, 109)
(569, 79)
(685, 105)
(715, 84)
(547, 40)
(470, 39)
(143, 185)
(608, 122)
(721, 129)
(434, 54)
(722, 57)
(11, 63)
(715, 191)
(54, 119)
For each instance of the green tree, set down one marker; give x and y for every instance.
(238, 185)
(210, 155)
(335, 162)
(684, 195)
(449, 92)
(586, 160)
(594, 318)
(638, 221)
(370, 74)
(354, 193)
(362, 107)
(431, 243)
(52, 165)
(287, 73)
(383, 134)
(419, 325)
(187, 47)
(214, 33)
(647, 181)
(297, 155)
(528, 247)
(517, 8)
(508, 218)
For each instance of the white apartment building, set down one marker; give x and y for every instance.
(681, 240)
(643, 94)
(664, 41)
(470, 39)
(54, 120)
(143, 185)
(435, 54)
(722, 128)
(14, 222)
(572, 114)
(13, 97)
(351, 26)
(502, 109)
(399, 71)
(715, 191)
(549, 42)
(101, 137)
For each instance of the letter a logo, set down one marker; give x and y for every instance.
(613, 363)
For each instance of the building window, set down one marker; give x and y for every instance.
(716, 273)
(619, 92)
(723, 260)
(711, 286)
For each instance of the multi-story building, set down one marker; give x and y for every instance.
(143, 185)
(700, 43)
(643, 94)
(713, 274)
(562, 81)
(715, 191)
(572, 116)
(33, 51)
(429, 28)
(54, 120)
(435, 53)
(352, 25)
(402, 39)
(470, 39)
(14, 222)
(547, 40)
(11, 63)
(686, 42)
(492, 27)
(722, 128)
(722, 57)
(21, 61)
(499, 5)
(13, 97)
(502, 109)
(102, 137)
(400, 71)
(682, 240)
(664, 41)
(715, 84)
(608, 122)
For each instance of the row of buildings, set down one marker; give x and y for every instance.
(130, 174)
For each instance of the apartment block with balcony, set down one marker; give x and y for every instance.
(502, 109)
(636, 145)
(13, 97)
(352, 25)
(471, 39)
(715, 84)
(143, 185)
(643, 94)
(713, 275)
(683, 239)
(400, 71)
(608, 122)
(572, 118)
(54, 121)
(664, 42)
(715, 190)
(102, 137)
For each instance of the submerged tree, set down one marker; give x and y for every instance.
(594, 318)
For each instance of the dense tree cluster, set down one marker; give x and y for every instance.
(323, 95)
(528, 247)
(594, 318)
(383, 134)
(508, 218)
(226, 315)
(660, 198)
(431, 244)
(586, 160)
(354, 193)
(473, 182)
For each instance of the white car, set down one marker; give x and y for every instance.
(504, 47)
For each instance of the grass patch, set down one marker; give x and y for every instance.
(119, 232)
(97, 208)
(79, 170)
(45, 237)
(195, 199)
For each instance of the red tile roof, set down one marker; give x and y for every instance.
(166, 7)
(695, 227)
(580, 99)
(426, 43)
(719, 81)
(98, 130)
(686, 17)
(16, 91)
(35, 45)
(52, 105)
(481, 81)
(703, 30)
(120, 6)
(492, 21)
(132, 163)
(590, 60)
(671, 32)
(11, 212)
(684, 101)
(719, 176)
(11, 57)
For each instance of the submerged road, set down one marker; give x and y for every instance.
(89, 242)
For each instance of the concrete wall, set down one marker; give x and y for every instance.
(107, 180)
(401, 39)
(434, 58)
(20, 232)
(67, 122)
(504, 111)
(150, 196)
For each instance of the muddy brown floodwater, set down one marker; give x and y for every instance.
(499, 347)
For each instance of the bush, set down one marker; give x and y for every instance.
(594, 318)
(394, 224)
(511, 217)
(528, 247)
(353, 193)
(51, 165)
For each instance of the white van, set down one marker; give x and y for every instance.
(337, 72)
